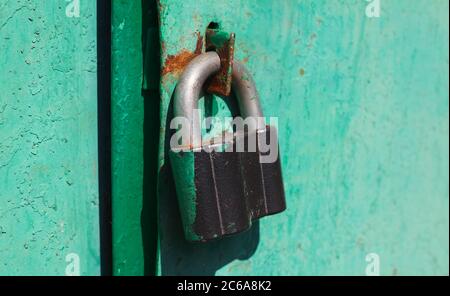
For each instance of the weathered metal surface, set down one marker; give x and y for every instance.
(363, 125)
(49, 223)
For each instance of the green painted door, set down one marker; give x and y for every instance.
(49, 200)
(360, 89)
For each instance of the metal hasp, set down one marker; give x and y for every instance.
(223, 44)
(221, 193)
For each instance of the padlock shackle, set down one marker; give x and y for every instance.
(190, 84)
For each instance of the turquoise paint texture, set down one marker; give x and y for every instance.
(48, 139)
(363, 119)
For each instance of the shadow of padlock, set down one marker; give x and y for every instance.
(220, 192)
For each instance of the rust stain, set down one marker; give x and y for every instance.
(175, 64)
(302, 72)
(220, 83)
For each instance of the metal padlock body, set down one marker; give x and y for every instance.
(221, 193)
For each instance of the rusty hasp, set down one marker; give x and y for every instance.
(222, 43)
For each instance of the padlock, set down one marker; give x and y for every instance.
(220, 193)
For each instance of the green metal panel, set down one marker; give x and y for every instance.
(363, 119)
(48, 139)
(127, 137)
(134, 114)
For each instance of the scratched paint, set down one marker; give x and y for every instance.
(127, 137)
(363, 123)
(48, 139)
